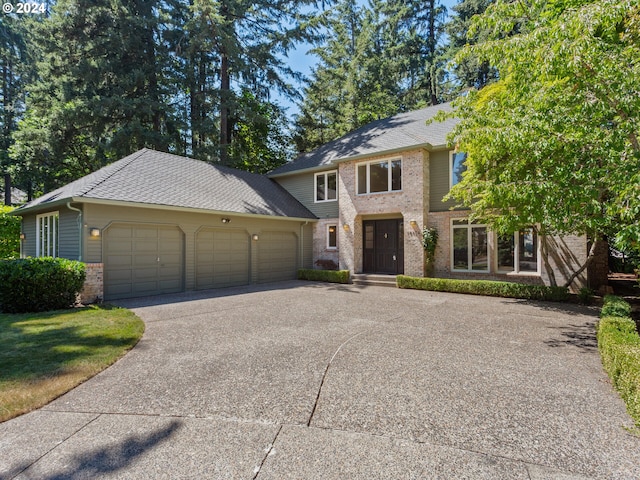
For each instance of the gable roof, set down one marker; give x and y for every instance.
(393, 134)
(155, 178)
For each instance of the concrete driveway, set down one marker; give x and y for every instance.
(315, 381)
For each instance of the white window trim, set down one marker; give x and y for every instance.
(469, 243)
(51, 250)
(516, 259)
(389, 176)
(326, 186)
(452, 153)
(329, 247)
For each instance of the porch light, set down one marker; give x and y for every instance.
(332, 229)
(413, 223)
(22, 236)
(254, 237)
(346, 227)
(94, 232)
(226, 220)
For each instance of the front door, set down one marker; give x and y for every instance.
(383, 246)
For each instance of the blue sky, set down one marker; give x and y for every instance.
(302, 61)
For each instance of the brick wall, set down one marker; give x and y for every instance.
(408, 204)
(320, 250)
(93, 290)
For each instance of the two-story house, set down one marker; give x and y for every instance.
(154, 223)
(375, 189)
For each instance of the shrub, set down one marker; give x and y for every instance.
(333, 276)
(485, 287)
(39, 284)
(585, 296)
(615, 307)
(9, 234)
(619, 346)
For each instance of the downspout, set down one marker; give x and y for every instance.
(79, 221)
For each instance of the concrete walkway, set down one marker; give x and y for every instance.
(315, 381)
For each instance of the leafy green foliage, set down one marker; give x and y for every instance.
(9, 234)
(554, 142)
(333, 276)
(39, 284)
(615, 307)
(619, 346)
(485, 287)
(260, 138)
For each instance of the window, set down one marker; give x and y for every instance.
(469, 246)
(379, 176)
(457, 167)
(332, 236)
(326, 186)
(47, 235)
(518, 252)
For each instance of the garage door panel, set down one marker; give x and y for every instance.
(143, 260)
(277, 256)
(222, 258)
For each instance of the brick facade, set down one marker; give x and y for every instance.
(409, 204)
(93, 289)
(321, 253)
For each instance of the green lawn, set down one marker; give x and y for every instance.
(43, 355)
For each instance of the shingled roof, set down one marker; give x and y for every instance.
(156, 178)
(400, 132)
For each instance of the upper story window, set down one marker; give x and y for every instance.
(457, 167)
(379, 176)
(326, 186)
(47, 235)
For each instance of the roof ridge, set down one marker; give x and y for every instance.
(104, 178)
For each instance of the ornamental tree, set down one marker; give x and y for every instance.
(555, 141)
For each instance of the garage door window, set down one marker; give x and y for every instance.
(47, 235)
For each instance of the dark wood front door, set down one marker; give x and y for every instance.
(383, 246)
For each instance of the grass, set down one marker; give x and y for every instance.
(43, 355)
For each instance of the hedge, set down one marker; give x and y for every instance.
(333, 276)
(619, 346)
(485, 287)
(39, 284)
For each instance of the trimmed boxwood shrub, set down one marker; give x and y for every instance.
(485, 287)
(619, 346)
(333, 276)
(39, 284)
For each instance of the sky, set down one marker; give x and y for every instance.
(302, 61)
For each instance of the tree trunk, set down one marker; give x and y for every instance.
(225, 93)
(7, 189)
(545, 259)
(590, 258)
